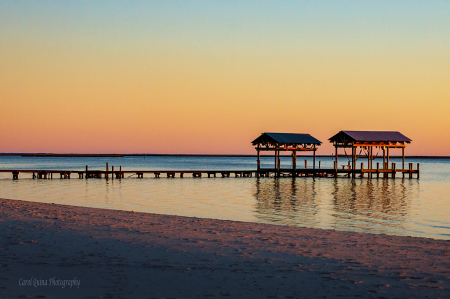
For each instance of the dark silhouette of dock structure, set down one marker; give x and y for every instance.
(281, 172)
(364, 141)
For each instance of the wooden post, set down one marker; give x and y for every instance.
(353, 161)
(384, 158)
(292, 158)
(349, 168)
(306, 164)
(279, 164)
(320, 162)
(276, 160)
(378, 170)
(403, 158)
(371, 157)
(410, 170)
(107, 170)
(394, 169)
(362, 169)
(294, 161)
(387, 159)
(258, 165)
(121, 174)
(314, 160)
(336, 157)
(418, 170)
(86, 168)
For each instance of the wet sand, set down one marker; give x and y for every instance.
(121, 254)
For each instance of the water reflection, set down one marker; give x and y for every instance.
(286, 201)
(368, 205)
(398, 207)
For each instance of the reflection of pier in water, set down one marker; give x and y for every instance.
(286, 201)
(366, 204)
(379, 206)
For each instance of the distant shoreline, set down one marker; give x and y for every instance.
(188, 155)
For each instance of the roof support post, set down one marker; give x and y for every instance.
(294, 160)
(371, 157)
(403, 158)
(276, 160)
(387, 159)
(371, 160)
(353, 161)
(279, 162)
(314, 161)
(258, 165)
(336, 157)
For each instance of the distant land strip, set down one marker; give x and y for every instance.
(193, 155)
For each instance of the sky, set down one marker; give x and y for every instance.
(208, 77)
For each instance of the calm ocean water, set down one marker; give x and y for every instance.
(390, 206)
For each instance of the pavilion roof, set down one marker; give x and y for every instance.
(370, 136)
(286, 138)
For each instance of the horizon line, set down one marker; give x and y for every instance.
(192, 155)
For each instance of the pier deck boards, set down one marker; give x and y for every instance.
(262, 172)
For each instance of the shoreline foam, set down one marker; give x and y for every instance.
(121, 254)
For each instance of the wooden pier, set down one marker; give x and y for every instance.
(345, 171)
(365, 141)
(120, 174)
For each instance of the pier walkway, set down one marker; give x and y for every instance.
(346, 171)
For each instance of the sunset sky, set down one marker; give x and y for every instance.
(210, 76)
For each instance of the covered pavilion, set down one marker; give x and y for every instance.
(367, 141)
(279, 142)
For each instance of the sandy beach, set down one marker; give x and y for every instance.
(56, 251)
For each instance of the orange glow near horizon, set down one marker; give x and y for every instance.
(158, 92)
